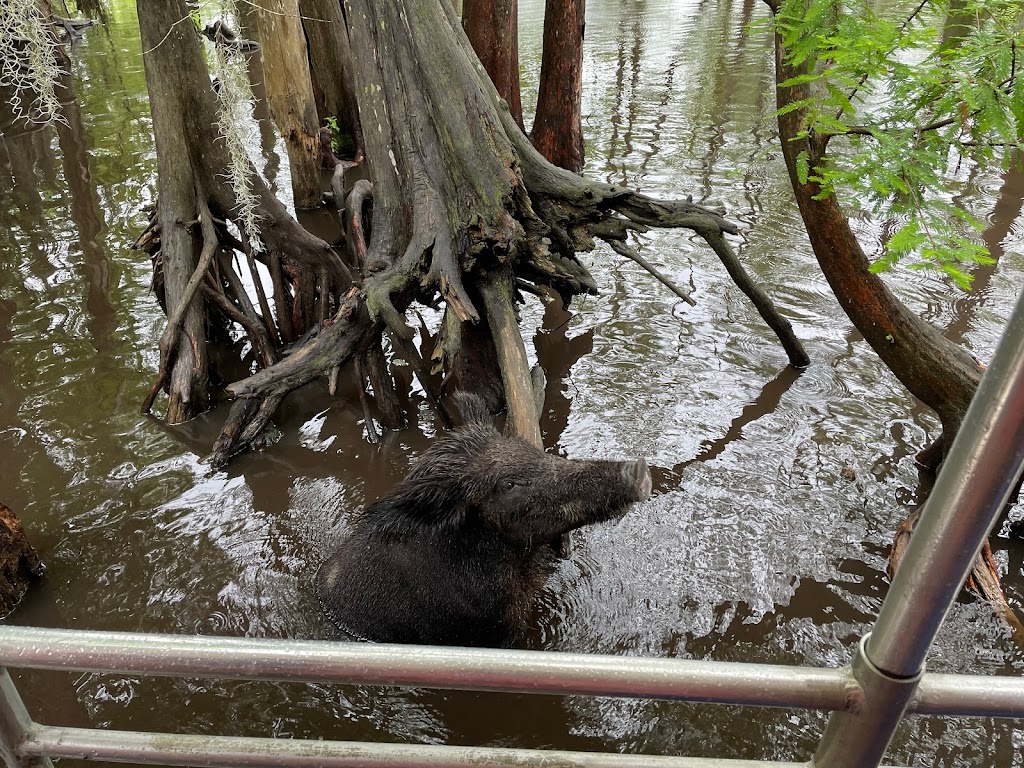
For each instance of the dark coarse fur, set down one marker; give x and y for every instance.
(456, 553)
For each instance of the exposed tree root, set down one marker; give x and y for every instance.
(172, 336)
(515, 370)
(348, 333)
(383, 387)
(983, 580)
(462, 212)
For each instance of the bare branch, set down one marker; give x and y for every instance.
(629, 252)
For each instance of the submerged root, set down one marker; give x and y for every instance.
(983, 579)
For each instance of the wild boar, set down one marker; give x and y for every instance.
(458, 551)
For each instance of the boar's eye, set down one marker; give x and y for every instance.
(508, 485)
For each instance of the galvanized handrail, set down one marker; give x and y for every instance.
(485, 669)
(229, 751)
(515, 671)
(471, 669)
(885, 682)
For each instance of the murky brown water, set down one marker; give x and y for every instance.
(754, 547)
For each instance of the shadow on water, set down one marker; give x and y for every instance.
(776, 490)
(766, 402)
(88, 219)
(1005, 212)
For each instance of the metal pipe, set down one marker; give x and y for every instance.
(977, 476)
(15, 726)
(860, 738)
(476, 669)
(968, 695)
(214, 751)
(486, 670)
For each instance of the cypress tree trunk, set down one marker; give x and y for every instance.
(290, 94)
(558, 126)
(330, 60)
(937, 371)
(492, 27)
(460, 208)
(940, 373)
(175, 101)
(187, 238)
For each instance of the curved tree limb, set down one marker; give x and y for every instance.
(170, 339)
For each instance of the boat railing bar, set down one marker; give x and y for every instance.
(485, 669)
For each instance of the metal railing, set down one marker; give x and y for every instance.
(885, 682)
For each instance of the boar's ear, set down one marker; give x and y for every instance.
(420, 502)
(472, 408)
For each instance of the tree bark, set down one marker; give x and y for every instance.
(174, 103)
(290, 94)
(937, 371)
(19, 563)
(557, 131)
(330, 61)
(459, 208)
(515, 370)
(194, 202)
(492, 27)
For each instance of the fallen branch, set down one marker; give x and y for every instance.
(629, 252)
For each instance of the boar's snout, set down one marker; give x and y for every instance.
(638, 474)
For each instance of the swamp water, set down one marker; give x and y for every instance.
(776, 491)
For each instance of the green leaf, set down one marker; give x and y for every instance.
(808, 77)
(939, 88)
(803, 167)
(795, 105)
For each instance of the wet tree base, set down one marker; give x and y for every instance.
(19, 563)
(460, 211)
